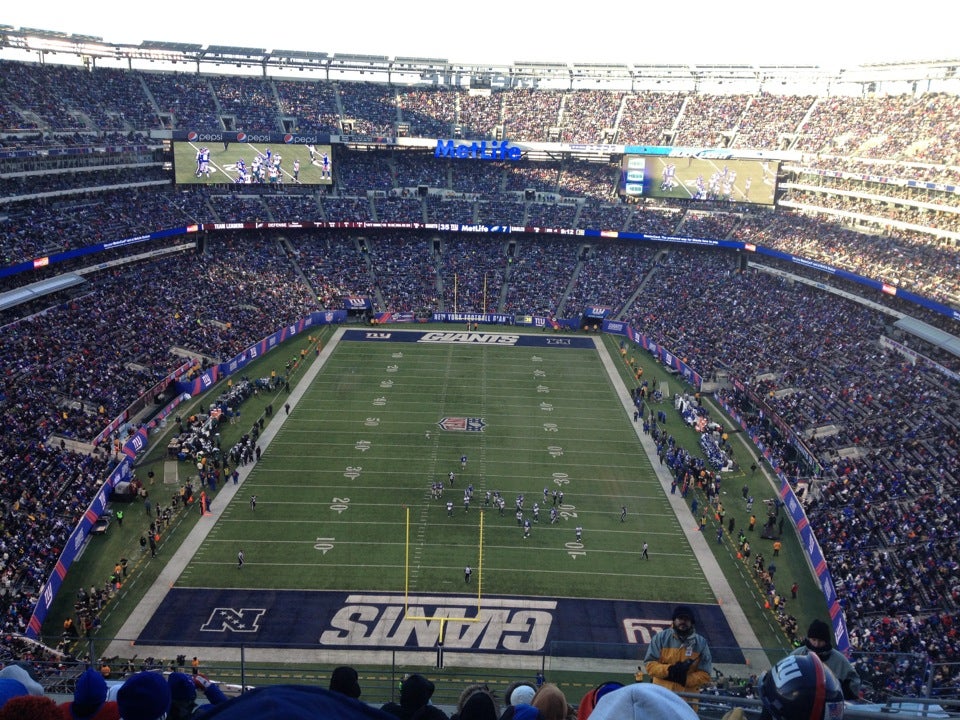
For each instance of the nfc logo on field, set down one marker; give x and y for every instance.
(244, 620)
(462, 424)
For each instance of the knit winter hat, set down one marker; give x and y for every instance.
(590, 699)
(415, 692)
(294, 702)
(521, 711)
(182, 688)
(345, 680)
(521, 694)
(10, 688)
(683, 611)
(21, 673)
(642, 700)
(30, 707)
(144, 696)
(479, 706)
(90, 694)
(819, 630)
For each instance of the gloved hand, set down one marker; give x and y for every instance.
(678, 672)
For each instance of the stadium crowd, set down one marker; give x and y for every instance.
(885, 430)
(154, 690)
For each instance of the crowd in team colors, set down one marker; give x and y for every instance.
(923, 268)
(885, 513)
(886, 507)
(177, 692)
(62, 98)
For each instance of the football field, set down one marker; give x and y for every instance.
(349, 544)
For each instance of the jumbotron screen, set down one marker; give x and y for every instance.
(243, 163)
(691, 178)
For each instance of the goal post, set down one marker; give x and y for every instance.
(443, 620)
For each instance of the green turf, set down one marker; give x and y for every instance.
(331, 479)
(331, 513)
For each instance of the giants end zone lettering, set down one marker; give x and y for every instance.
(517, 625)
(472, 338)
(244, 620)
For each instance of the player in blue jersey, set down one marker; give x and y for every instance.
(325, 166)
(241, 172)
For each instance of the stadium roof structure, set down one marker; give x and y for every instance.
(934, 336)
(899, 77)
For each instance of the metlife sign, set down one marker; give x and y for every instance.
(494, 150)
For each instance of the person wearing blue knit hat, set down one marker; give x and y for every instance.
(144, 696)
(294, 702)
(183, 695)
(90, 699)
(9, 689)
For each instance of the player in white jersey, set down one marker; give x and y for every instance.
(669, 181)
(203, 162)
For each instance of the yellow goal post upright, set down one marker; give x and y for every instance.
(443, 620)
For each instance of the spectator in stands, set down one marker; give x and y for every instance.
(90, 699)
(144, 696)
(819, 642)
(183, 695)
(476, 702)
(642, 700)
(345, 680)
(415, 692)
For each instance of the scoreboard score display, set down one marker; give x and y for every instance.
(693, 178)
(249, 163)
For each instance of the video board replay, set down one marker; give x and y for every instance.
(247, 163)
(692, 178)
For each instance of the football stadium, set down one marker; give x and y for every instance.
(478, 379)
